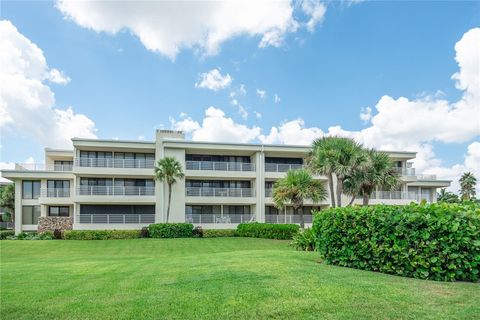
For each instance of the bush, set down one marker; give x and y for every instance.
(100, 234)
(6, 233)
(171, 230)
(305, 240)
(57, 234)
(218, 233)
(47, 235)
(436, 241)
(267, 230)
(198, 232)
(144, 232)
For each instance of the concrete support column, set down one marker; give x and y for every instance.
(43, 210)
(260, 186)
(18, 206)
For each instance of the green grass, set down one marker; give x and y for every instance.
(229, 278)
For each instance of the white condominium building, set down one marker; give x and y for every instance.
(109, 184)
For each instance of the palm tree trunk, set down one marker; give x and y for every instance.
(330, 186)
(302, 221)
(366, 198)
(351, 201)
(339, 191)
(169, 200)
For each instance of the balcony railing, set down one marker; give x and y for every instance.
(220, 166)
(219, 192)
(268, 192)
(394, 195)
(218, 218)
(405, 171)
(55, 192)
(116, 218)
(281, 167)
(114, 163)
(43, 167)
(426, 177)
(115, 191)
(287, 218)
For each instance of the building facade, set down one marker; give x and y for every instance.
(109, 184)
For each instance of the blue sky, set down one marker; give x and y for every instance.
(356, 53)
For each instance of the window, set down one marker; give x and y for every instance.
(30, 189)
(30, 214)
(283, 160)
(215, 158)
(189, 209)
(58, 184)
(236, 209)
(59, 211)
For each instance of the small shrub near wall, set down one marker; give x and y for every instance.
(101, 234)
(170, 230)
(6, 233)
(267, 230)
(432, 241)
(219, 233)
(305, 240)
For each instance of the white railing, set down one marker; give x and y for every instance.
(405, 171)
(220, 166)
(43, 167)
(394, 195)
(219, 218)
(219, 192)
(115, 191)
(287, 218)
(426, 177)
(268, 192)
(116, 218)
(281, 167)
(55, 192)
(114, 163)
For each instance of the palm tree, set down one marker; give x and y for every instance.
(335, 156)
(468, 183)
(446, 196)
(7, 199)
(376, 172)
(169, 170)
(294, 188)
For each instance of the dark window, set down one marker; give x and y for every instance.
(117, 209)
(236, 209)
(58, 184)
(283, 160)
(30, 189)
(63, 211)
(217, 184)
(30, 214)
(192, 209)
(216, 158)
(269, 184)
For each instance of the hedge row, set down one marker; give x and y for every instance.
(101, 234)
(267, 230)
(170, 230)
(435, 241)
(218, 233)
(6, 233)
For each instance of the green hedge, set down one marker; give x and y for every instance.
(218, 233)
(436, 241)
(100, 234)
(267, 230)
(6, 233)
(170, 230)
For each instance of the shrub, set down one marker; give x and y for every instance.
(57, 234)
(218, 233)
(6, 233)
(171, 230)
(101, 234)
(267, 230)
(305, 240)
(47, 235)
(144, 232)
(198, 232)
(436, 241)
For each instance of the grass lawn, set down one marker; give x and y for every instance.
(229, 278)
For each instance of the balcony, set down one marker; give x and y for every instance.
(287, 218)
(219, 192)
(116, 218)
(268, 192)
(55, 192)
(427, 177)
(115, 191)
(405, 171)
(281, 167)
(220, 166)
(219, 218)
(43, 167)
(114, 163)
(394, 195)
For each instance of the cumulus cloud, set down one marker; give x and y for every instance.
(261, 93)
(366, 114)
(316, 11)
(291, 132)
(26, 101)
(202, 26)
(214, 80)
(276, 98)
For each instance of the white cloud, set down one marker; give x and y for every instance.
(214, 80)
(58, 76)
(216, 127)
(291, 132)
(257, 114)
(26, 102)
(366, 114)
(261, 93)
(243, 112)
(202, 26)
(276, 98)
(316, 11)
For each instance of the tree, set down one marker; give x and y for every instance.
(7, 199)
(468, 183)
(169, 170)
(294, 188)
(335, 156)
(447, 196)
(376, 172)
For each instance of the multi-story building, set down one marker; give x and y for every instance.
(109, 184)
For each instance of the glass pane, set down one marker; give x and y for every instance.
(27, 190)
(27, 215)
(36, 214)
(36, 189)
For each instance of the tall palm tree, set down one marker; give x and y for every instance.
(335, 156)
(168, 170)
(468, 183)
(294, 188)
(446, 196)
(376, 172)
